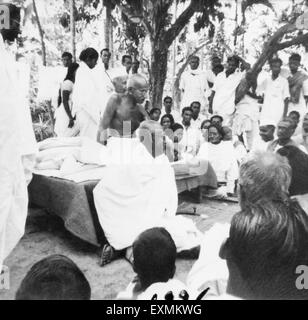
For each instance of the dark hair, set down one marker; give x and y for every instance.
(177, 126)
(106, 49)
(67, 55)
(296, 113)
(204, 121)
(54, 278)
(154, 256)
(218, 128)
(194, 57)
(197, 102)
(295, 57)
(167, 97)
(275, 60)
(235, 59)
(70, 75)
(217, 116)
(298, 161)
(89, 53)
(187, 109)
(154, 110)
(219, 68)
(267, 243)
(169, 116)
(126, 56)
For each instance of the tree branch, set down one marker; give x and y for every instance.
(298, 40)
(180, 22)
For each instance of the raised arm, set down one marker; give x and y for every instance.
(105, 121)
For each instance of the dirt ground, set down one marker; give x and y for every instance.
(45, 235)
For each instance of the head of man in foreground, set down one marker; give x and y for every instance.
(264, 176)
(266, 248)
(54, 278)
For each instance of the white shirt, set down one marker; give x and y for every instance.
(260, 145)
(197, 123)
(275, 92)
(194, 86)
(191, 140)
(224, 87)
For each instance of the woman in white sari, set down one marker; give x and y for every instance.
(65, 120)
(222, 157)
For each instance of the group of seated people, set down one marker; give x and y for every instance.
(259, 255)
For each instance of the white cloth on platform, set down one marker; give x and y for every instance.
(13, 191)
(138, 192)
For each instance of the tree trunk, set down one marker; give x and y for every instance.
(41, 32)
(73, 30)
(159, 61)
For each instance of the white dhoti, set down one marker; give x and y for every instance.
(138, 192)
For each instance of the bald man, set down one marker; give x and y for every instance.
(124, 112)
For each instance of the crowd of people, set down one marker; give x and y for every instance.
(256, 146)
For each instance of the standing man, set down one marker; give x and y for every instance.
(194, 86)
(135, 66)
(222, 100)
(197, 117)
(105, 55)
(276, 94)
(168, 109)
(67, 59)
(298, 85)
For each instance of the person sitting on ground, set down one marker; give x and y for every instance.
(168, 109)
(263, 177)
(266, 136)
(124, 109)
(285, 130)
(191, 140)
(295, 116)
(154, 255)
(298, 161)
(155, 114)
(217, 120)
(238, 146)
(205, 130)
(222, 157)
(54, 278)
(167, 122)
(178, 131)
(197, 117)
(277, 232)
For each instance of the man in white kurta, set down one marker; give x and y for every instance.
(194, 86)
(222, 101)
(87, 102)
(276, 95)
(13, 191)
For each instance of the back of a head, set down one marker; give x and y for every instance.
(54, 278)
(264, 176)
(154, 256)
(267, 243)
(298, 161)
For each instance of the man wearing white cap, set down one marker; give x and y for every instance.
(266, 136)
